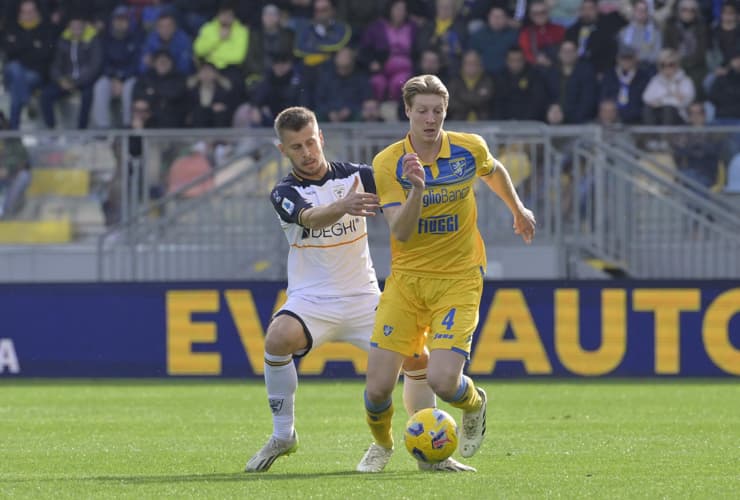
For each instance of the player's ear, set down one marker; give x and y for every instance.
(407, 110)
(280, 147)
(321, 137)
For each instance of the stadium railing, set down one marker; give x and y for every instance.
(158, 229)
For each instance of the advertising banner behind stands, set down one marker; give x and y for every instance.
(534, 328)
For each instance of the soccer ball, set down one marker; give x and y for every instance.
(431, 435)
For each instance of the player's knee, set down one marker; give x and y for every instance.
(285, 336)
(444, 383)
(377, 393)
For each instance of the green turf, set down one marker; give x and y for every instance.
(144, 439)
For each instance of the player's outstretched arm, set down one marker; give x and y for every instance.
(403, 219)
(353, 203)
(500, 183)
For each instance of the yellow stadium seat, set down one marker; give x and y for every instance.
(35, 232)
(59, 182)
(518, 165)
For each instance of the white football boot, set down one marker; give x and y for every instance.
(275, 448)
(473, 428)
(447, 465)
(375, 459)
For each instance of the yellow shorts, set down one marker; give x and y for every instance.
(413, 310)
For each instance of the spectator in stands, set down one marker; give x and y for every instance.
(371, 111)
(625, 85)
(342, 89)
(608, 114)
(471, 92)
(697, 154)
(430, 63)
(446, 33)
(280, 88)
(643, 34)
(725, 93)
(724, 41)
(195, 13)
(386, 51)
(687, 35)
(572, 84)
(595, 36)
(28, 44)
(520, 90)
(121, 57)
(167, 36)
(223, 43)
(265, 42)
(539, 39)
(564, 12)
(358, 13)
(15, 172)
(77, 63)
(164, 87)
(492, 41)
(554, 115)
(317, 40)
(149, 11)
(211, 98)
(668, 93)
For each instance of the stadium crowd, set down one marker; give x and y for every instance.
(189, 63)
(238, 63)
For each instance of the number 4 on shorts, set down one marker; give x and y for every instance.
(449, 319)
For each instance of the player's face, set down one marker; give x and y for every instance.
(305, 150)
(426, 117)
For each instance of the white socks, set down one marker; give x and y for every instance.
(281, 380)
(417, 394)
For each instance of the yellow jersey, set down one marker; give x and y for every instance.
(446, 242)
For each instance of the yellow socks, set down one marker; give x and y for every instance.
(379, 419)
(467, 397)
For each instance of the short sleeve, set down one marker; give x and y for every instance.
(368, 179)
(389, 189)
(484, 162)
(288, 203)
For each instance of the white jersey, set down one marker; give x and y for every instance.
(333, 261)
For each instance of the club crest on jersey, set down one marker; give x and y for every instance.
(288, 206)
(387, 330)
(338, 191)
(458, 166)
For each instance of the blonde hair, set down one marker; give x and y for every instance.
(424, 85)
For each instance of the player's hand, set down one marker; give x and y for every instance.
(524, 223)
(413, 170)
(360, 203)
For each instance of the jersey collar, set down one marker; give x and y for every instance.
(444, 151)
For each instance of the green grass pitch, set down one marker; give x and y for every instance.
(191, 439)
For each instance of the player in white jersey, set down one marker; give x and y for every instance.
(332, 288)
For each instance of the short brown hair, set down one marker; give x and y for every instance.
(294, 118)
(424, 84)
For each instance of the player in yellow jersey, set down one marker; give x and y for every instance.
(438, 259)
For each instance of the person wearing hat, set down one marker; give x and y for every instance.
(625, 84)
(121, 42)
(78, 60)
